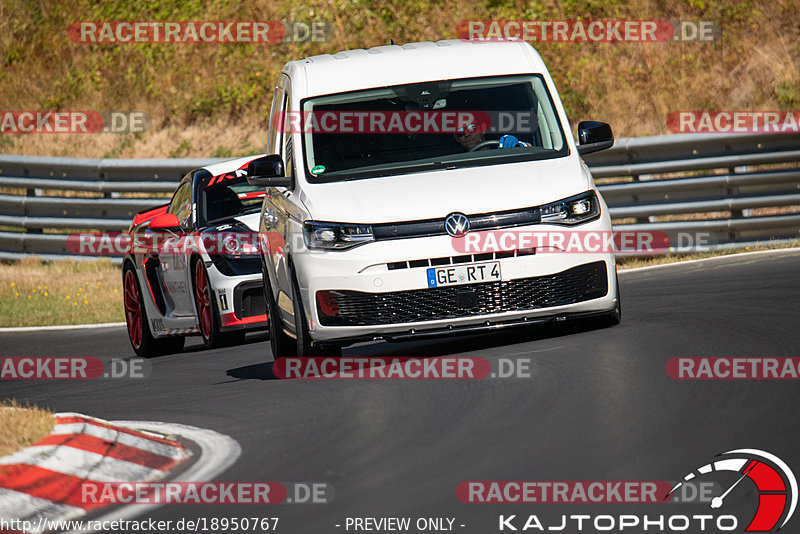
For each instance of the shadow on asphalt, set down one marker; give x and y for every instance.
(436, 347)
(259, 371)
(469, 343)
(195, 344)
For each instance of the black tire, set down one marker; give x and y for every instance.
(234, 337)
(212, 333)
(329, 350)
(280, 343)
(614, 317)
(171, 345)
(304, 347)
(143, 343)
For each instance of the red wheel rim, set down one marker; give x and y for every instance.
(203, 301)
(133, 309)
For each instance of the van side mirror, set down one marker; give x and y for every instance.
(268, 171)
(594, 136)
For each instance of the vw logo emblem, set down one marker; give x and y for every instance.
(456, 224)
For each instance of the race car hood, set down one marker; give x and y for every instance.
(240, 223)
(434, 194)
(250, 221)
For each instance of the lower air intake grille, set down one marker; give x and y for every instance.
(356, 308)
(249, 300)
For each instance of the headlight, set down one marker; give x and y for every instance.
(237, 244)
(336, 236)
(573, 210)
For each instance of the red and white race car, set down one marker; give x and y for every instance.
(194, 266)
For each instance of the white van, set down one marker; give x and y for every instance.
(405, 186)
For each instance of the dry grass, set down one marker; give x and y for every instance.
(207, 100)
(21, 426)
(36, 293)
(243, 137)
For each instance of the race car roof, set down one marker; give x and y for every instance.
(230, 165)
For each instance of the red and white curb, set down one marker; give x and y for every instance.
(42, 483)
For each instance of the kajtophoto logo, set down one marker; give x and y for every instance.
(775, 483)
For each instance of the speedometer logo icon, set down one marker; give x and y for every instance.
(776, 484)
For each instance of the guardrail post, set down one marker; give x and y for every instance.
(33, 192)
(737, 214)
(107, 194)
(635, 198)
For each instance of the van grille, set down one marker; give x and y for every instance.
(454, 260)
(578, 284)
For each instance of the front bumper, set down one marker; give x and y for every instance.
(388, 303)
(240, 299)
(354, 308)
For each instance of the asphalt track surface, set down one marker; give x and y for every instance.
(598, 406)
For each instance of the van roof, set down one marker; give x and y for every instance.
(381, 66)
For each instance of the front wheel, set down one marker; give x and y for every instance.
(614, 317)
(208, 313)
(279, 341)
(142, 340)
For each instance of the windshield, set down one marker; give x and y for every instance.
(227, 195)
(440, 124)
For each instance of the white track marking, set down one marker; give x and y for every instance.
(729, 256)
(122, 438)
(59, 327)
(217, 453)
(22, 506)
(81, 464)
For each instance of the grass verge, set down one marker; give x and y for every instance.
(37, 293)
(639, 261)
(21, 426)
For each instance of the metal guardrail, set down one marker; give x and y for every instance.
(714, 174)
(705, 173)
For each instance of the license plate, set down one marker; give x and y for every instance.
(472, 273)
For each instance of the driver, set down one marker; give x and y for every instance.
(470, 136)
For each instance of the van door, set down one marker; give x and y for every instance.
(278, 203)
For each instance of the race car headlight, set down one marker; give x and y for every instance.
(336, 236)
(238, 244)
(573, 210)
